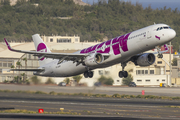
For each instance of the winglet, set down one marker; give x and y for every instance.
(8, 45)
(166, 47)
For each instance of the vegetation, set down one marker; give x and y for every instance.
(174, 62)
(77, 78)
(20, 79)
(36, 112)
(105, 80)
(104, 19)
(126, 81)
(24, 76)
(66, 80)
(97, 95)
(35, 80)
(49, 81)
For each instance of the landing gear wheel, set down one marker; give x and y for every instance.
(125, 74)
(86, 74)
(161, 56)
(121, 74)
(90, 74)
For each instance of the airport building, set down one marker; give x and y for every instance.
(143, 76)
(61, 39)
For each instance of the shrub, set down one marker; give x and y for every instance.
(40, 92)
(77, 78)
(105, 80)
(126, 81)
(35, 80)
(66, 80)
(49, 81)
(116, 95)
(5, 81)
(104, 95)
(52, 93)
(27, 82)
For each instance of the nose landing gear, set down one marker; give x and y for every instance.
(160, 55)
(123, 73)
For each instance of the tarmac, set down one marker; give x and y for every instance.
(88, 107)
(158, 91)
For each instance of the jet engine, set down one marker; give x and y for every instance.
(94, 59)
(145, 59)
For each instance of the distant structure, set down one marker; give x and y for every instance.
(61, 39)
(13, 2)
(80, 2)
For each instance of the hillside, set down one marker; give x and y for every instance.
(91, 23)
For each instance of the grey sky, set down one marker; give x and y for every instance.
(154, 3)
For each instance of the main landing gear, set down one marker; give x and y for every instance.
(88, 74)
(123, 73)
(160, 55)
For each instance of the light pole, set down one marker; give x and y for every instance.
(170, 66)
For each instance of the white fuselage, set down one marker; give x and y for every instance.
(120, 49)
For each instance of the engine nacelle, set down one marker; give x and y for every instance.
(94, 59)
(145, 59)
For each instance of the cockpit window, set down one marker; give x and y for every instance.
(160, 28)
(166, 27)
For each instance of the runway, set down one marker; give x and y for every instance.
(89, 107)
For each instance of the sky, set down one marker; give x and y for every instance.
(154, 3)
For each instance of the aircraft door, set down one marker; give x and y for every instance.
(141, 42)
(149, 33)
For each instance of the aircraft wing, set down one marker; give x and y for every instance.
(166, 49)
(35, 70)
(63, 56)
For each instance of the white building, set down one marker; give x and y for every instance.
(154, 74)
(61, 39)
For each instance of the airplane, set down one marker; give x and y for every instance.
(122, 49)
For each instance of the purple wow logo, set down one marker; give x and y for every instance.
(41, 48)
(104, 47)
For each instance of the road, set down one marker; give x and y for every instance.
(88, 107)
(97, 90)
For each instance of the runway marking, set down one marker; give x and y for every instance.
(34, 107)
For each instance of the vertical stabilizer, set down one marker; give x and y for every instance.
(41, 47)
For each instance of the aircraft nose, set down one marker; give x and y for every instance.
(172, 34)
